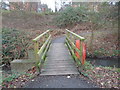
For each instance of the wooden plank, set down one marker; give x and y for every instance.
(58, 64)
(58, 61)
(50, 67)
(61, 57)
(59, 73)
(59, 69)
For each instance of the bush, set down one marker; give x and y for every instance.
(71, 16)
(14, 45)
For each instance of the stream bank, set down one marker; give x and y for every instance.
(111, 62)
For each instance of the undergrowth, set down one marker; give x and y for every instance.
(15, 45)
(70, 16)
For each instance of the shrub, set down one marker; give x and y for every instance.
(14, 45)
(71, 16)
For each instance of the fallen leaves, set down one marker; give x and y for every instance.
(22, 79)
(104, 77)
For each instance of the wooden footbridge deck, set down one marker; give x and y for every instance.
(58, 61)
(57, 57)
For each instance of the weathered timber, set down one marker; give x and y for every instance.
(59, 60)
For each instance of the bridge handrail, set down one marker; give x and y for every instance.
(80, 37)
(38, 37)
(40, 51)
(43, 46)
(70, 38)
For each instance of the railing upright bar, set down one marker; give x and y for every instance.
(36, 47)
(81, 49)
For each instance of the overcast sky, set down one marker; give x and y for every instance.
(50, 3)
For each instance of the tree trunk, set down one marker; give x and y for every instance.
(91, 41)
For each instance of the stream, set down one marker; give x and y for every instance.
(104, 62)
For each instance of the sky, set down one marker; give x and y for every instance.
(50, 3)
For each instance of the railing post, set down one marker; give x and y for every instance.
(67, 33)
(72, 38)
(81, 51)
(36, 48)
(47, 35)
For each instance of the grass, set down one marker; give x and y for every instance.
(4, 11)
(118, 70)
(88, 66)
(15, 79)
(13, 76)
(103, 52)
